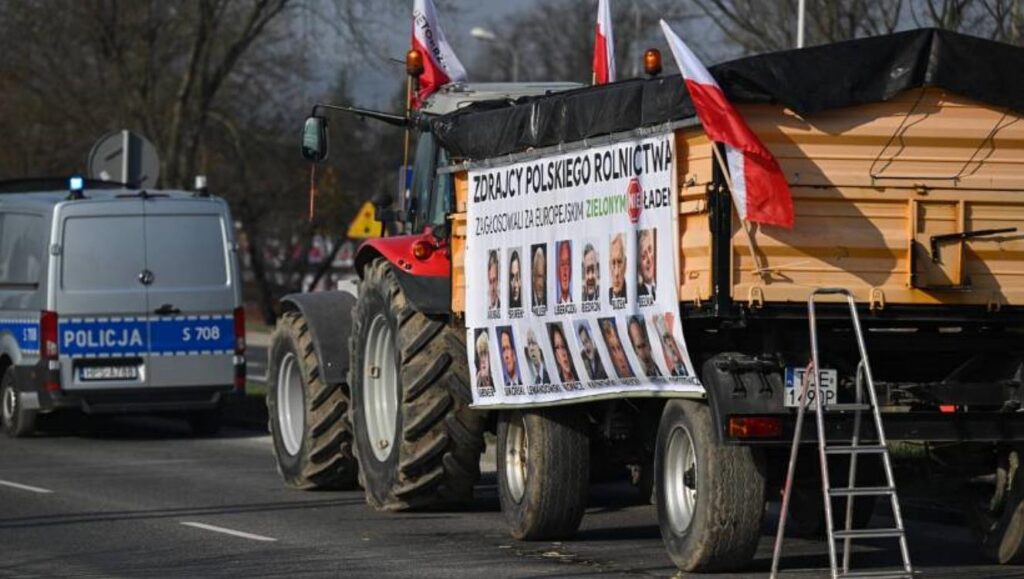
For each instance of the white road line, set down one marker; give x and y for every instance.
(249, 536)
(262, 379)
(30, 489)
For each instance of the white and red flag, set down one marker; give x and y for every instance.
(604, 45)
(440, 65)
(759, 187)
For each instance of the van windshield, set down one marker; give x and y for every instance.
(186, 251)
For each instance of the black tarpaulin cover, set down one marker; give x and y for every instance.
(807, 80)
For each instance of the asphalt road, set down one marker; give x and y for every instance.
(140, 497)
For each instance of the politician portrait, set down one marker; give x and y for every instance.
(617, 269)
(591, 274)
(592, 363)
(616, 352)
(564, 271)
(515, 280)
(539, 275)
(482, 363)
(535, 360)
(647, 264)
(509, 362)
(493, 283)
(637, 330)
(563, 356)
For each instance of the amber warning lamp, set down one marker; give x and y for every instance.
(414, 63)
(652, 62)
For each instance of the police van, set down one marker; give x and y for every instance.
(116, 300)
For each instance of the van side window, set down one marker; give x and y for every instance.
(21, 249)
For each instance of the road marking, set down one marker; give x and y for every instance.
(261, 379)
(249, 536)
(28, 488)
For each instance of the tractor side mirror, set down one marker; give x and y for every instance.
(314, 139)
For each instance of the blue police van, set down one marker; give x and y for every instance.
(117, 300)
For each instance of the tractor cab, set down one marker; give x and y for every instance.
(417, 216)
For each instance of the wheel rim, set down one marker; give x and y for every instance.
(680, 476)
(380, 388)
(517, 453)
(291, 404)
(10, 404)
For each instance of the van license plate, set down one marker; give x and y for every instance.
(109, 373)
(795, 384)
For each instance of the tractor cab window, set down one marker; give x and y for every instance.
(424, 165)
(441, 200)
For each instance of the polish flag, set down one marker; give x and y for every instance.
(604, 45)
(759, 187)
(440, 65)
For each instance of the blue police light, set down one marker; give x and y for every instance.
(76, 184)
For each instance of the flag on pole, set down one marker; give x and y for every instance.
(440, 65)
(759, 187)
(604, 45)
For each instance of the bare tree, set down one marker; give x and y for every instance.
(762, 26)
(554, 41)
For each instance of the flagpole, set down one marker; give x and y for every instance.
(761, 269)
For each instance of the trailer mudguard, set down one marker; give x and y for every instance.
(329, 318)
(425, 282)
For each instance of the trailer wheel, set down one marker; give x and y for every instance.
(311, 432)
(543, 471)
(996, 510)
(17, 421)
(710, 497)
(417, 441)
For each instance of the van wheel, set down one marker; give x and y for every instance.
(710, 497)
(205, 422)
(996, 509)
(308, 422)
(543, 471)
(17, 422)
(417, 440)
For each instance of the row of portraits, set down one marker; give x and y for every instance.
(585, 286)
(607, 352)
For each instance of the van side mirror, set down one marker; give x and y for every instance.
(314, 139)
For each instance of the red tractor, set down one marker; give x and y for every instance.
(375, 388)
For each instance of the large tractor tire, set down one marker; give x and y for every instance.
(543, 471)
(308, 417)
(17, 422)
(417, 440)
(710, 497)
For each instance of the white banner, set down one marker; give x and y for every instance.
(571, 277)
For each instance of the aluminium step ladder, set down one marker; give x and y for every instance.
(863, 382)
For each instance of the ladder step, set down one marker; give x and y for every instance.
(860, 491)
(865, 448)
(867, 534)
(846, 407)
(888, 574)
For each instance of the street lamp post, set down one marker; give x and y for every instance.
(487, 35)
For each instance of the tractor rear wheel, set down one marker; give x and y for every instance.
(417, 440)
(308, 421)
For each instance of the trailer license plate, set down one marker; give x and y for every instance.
(795, 384)
(109, 372)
